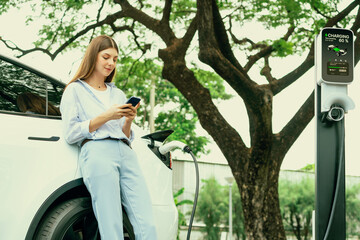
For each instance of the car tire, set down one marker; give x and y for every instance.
(74, 220)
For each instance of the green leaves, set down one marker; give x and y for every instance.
(309, 168)
(182, 9)
(211, 208)
(353, 210)
(5, 5)
(283, 48)
(297, 201)
(213, 82)
(182, 202)
(181, 220)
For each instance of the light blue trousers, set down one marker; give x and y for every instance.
(113, 177)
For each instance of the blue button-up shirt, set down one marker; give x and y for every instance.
(79, 105)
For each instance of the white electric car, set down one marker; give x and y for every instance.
(42, 195)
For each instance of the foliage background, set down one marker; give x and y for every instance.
(297, 201)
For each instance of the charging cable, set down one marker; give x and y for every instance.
(341, 134)
(177, 144)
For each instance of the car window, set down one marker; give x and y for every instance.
(54, 93)
(26, 92)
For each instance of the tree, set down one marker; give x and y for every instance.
(255, 167)
(297, 201)
(211, 208)
(353, 211)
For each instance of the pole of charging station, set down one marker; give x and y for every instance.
(327, 170)
(334, 67)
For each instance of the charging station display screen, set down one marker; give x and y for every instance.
(337, 55)
(338, 68)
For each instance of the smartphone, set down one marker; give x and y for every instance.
(133, 100)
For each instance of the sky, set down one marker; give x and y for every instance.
(286, 103)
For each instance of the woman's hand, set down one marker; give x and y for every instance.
(117, 111)
(131, 112)
(129, 117)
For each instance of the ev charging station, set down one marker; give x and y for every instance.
(334, 71)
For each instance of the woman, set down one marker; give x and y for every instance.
(96, 118)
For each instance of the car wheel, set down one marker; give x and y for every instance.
(74, 220)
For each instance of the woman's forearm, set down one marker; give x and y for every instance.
(127, 128)
(98, 121)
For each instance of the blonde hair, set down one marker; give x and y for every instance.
(88, 62)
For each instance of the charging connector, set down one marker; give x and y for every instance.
(172, 145)
(336, 113)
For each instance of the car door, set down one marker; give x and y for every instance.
(34, 158)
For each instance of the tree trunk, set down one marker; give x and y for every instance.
(260, 199)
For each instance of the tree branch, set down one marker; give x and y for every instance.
(166, 12)
(266, 70)
(162, 29)
(320, 13)
(244, 40)
(254, 58)
(333, 21)
(355, 27)
(223, 40)
(57, 30)
(24, 52)
(216, 57)
(266, 51)
(108, 20)
(116, 29)
(357, 48)
(98, 18)
(189, 35)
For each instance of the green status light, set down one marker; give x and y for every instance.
(325, 34)
(336, 49)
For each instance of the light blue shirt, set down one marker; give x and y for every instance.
(79, 105)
